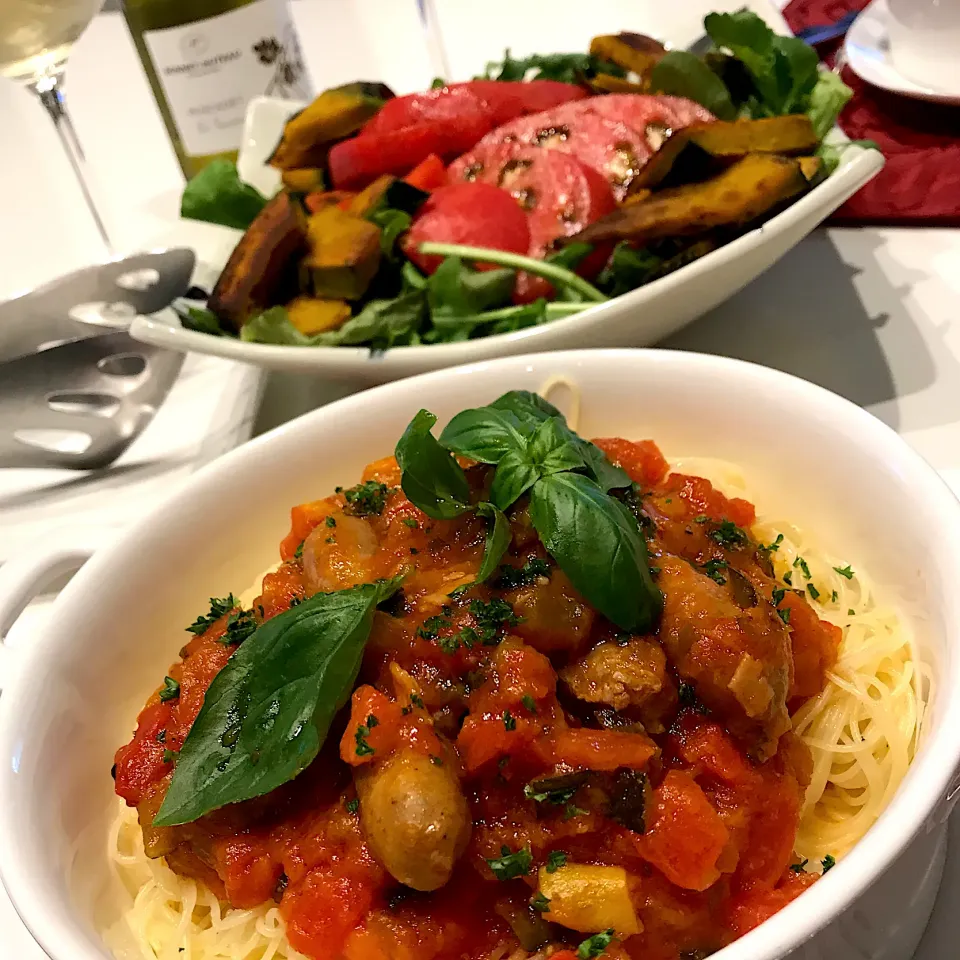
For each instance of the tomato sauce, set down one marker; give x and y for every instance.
(549, 732)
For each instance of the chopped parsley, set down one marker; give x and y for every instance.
(492, 616)
(170, 756)
(170, 690)
(436, 761)
(511, 578)
(799, 867)
(162, 736)
(363, 748)
(431, 627)
(687, 695)
(509, 723)
(851, 612)
(784, 614)
(509, 865)
(788, 578)
(772, 547)
(556, 860)
(572, 810)
(352, 805)
(240, 626)
(366, 499)
(540, 791)
(778, 594)
(330, 539)
(219, 607)
(728, 534)
(416, 700)
(298, 553)
(331, 521)
(828, 862)
(834, 596)
(802, 564)
(701, 518)
(540, 903)
(595, 946)
(712, 569)
(411, 523)
(814, 592)
(529, 703)
(845, 571)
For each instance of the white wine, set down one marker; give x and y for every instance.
(36, 35)
(206, 59)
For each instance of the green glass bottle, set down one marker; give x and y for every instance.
(206, 59)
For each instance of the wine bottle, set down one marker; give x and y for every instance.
(206, 59)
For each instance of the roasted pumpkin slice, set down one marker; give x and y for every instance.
(344, 254)
(748, 189)
(309, 134)
(624, 53)
(784, 135)
(262, 270)
(311, 315)
(304, 180)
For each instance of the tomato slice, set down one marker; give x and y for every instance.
(477, 214)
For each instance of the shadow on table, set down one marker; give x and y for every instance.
(804, 316)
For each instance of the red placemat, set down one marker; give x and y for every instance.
(920, 184)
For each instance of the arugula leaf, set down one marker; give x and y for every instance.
(597, 543)
(217, 195)
(267, 712)
(830, 154)
(431, 478)
(565, 67)
(684, 74)
(800, 73)
(381, 323)
(498, 539)
(514, 477)
(483, 433)
(199, 319)
(392, 224)
(828, 97)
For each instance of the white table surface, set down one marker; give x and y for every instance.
(871, 314)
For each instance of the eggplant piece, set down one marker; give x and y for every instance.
(557, 790)
(262, 270)
(745, 191)
(628, 800)
(720, 139)
(344, 254)
(308, 135)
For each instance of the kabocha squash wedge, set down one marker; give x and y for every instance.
(311, 315)
(309, 134)
(262, 269)
(741, 193)
(635, 58)
(303, 180)
(344, 254)
(722, 139)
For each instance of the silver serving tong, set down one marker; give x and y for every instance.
(75, 389)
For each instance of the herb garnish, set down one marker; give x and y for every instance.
(799, 867)
(512, 578)
(687, 695)
(509, 722)
(298, 553)
(728, 534)
(845, 571)
(595, 946)
(540, 903)
(353, 805)
(784, 614)
(828, 862)
(802, 564)
(509, 865)
(360, 736)
(365, 499)
(219, 607)
(712, 569)
(592, 535)
(170, 690)
(529, 703)
(492, 616)
(556, 860)
(778, 594)
(267, 712)
(331, 521)
(814, 592)
(240, 626)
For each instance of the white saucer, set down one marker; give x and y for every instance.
(867, 50)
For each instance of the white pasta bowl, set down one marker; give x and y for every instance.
(72, 692)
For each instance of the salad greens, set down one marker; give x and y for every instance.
(565, 67)
(218, 195)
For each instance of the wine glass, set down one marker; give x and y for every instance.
(35, 39)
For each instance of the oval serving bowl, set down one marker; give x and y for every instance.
(808, 455)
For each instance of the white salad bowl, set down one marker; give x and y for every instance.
(73, 691)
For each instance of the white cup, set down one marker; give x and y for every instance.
(925, 41)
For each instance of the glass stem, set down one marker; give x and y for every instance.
(50, 94)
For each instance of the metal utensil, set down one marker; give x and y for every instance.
(72, 394)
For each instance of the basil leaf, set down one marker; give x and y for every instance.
(218, 195)
(598, 544)
(601, 469)
(483, 434)
(267, 712)
(431, 478)
(554, 447)
(498, 539)
(514, 477)
(529, 408)
(684, 74)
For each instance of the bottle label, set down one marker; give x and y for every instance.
(210, 70)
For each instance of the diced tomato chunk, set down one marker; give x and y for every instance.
(815, 646)
(703, 498)
(749, 910)
(366, 738)
(140, 762)
(705, 745)
(428, 174)
(602, 749)
(250, 874)
(641, 459)
(686, 835)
